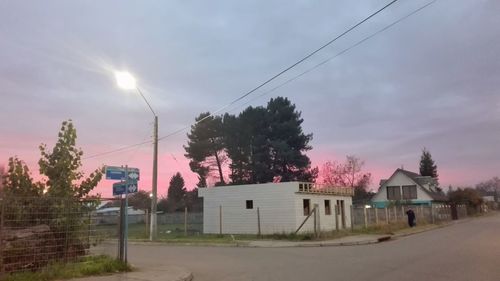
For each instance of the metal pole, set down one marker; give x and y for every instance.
(125, 239)
(153, 226)
(121, 229)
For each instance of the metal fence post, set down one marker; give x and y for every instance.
(258, 222)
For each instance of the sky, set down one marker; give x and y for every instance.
(429, 81)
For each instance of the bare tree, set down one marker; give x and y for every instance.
(348, 173)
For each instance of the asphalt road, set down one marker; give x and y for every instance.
(468, 251)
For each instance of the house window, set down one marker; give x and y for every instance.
(409, 192)
(249, 204)
(393, 193)
(306, 206)
(328, 209)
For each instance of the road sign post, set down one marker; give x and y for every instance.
(128, 184)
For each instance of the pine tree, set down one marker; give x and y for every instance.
(427, 165)
(205, 147)
(288, 142)
(176, 193)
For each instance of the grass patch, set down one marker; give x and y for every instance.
(88, 266)
(174, 233)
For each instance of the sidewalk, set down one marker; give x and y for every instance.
(164, 273)
(344, 241)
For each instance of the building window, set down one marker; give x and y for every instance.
(249, 204)
(409, 192)
(307, 206)
(328, 209)
(393, 193)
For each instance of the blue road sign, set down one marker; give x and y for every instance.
(118, 173)
(120, 188)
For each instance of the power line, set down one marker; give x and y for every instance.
(117, 150)
(337, 55)
(260, 85)
(284, 70)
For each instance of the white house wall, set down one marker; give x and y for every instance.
(399, 179)
(326, 222)
(275, 203)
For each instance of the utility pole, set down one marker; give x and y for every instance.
(153, 226)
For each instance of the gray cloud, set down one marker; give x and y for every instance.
(430, 81)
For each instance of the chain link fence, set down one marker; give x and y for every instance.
(170, 225)
(35, 232)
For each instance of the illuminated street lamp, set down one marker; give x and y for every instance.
(126, 81)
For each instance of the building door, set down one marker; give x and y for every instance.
(342, 212)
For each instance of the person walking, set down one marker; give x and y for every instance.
(411, 218)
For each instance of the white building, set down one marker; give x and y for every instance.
(408, 187)
(275, 207)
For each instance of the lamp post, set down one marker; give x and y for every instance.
(126, 81)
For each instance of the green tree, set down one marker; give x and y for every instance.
(21, 194)
(140, 200)
(61, 167)
(468, 196)
(66, 186)
(247, 145)
(193, 202)
(427, 165)
(17, 182)
(176, 193)
(205, 147)
(288, 143)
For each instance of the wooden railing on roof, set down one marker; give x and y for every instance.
(317, 188)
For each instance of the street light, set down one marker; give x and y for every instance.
(126, 81)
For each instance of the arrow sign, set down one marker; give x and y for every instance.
(133, 175)
(118, 173)
(120, 188)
